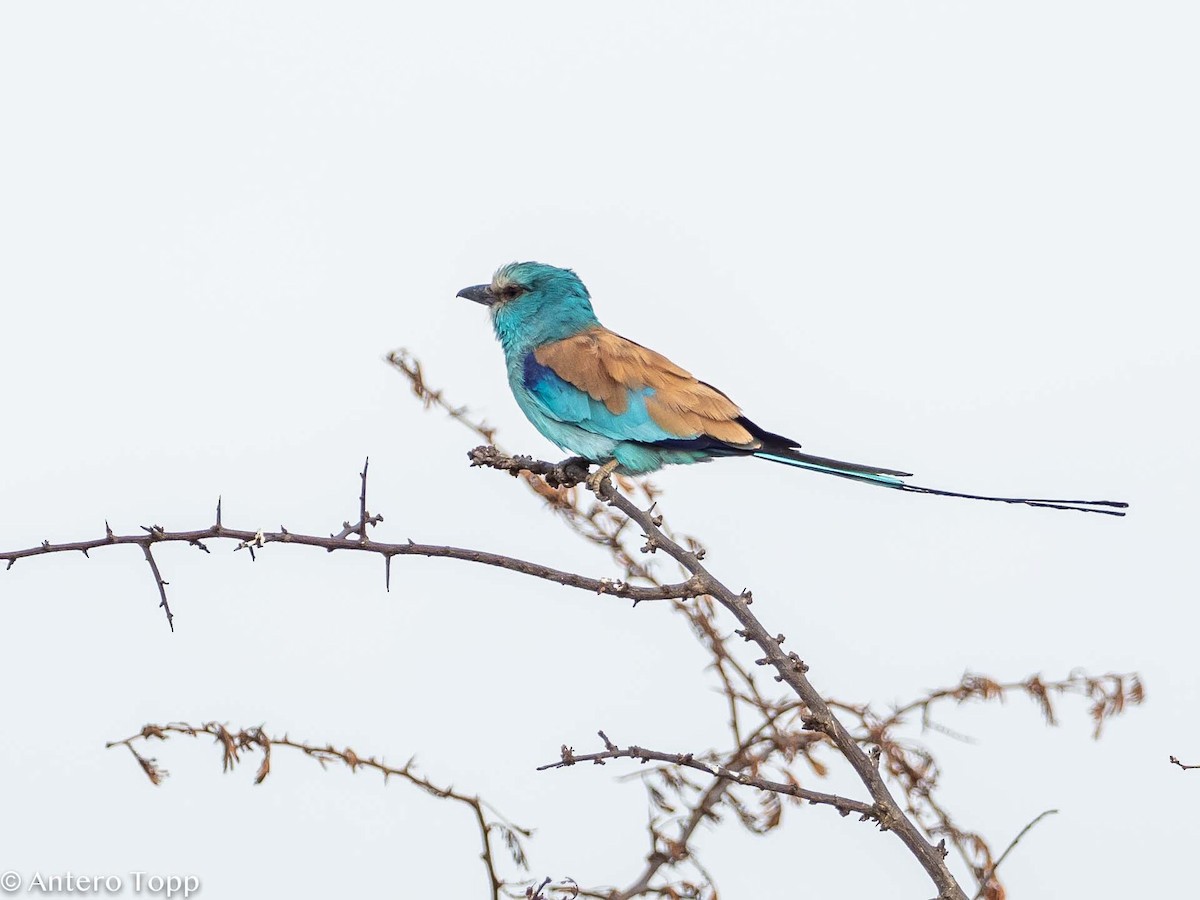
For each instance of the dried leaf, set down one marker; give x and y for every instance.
(153, 772)
(513, 843)
(772, 813)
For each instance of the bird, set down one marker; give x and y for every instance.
(631, 410)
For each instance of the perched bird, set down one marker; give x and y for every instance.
(632, 410)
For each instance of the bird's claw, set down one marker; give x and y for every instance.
(597, 478)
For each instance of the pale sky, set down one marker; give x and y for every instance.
(957, 239)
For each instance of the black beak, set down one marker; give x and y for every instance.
(480, 293)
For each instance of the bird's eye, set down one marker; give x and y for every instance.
(511, 292)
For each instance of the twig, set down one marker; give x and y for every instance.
(987, 877)
(1183, 766)
(843, 805)
(234, 743)
(158, 579)
(411, 368)
(1109, 694)
(365, 519)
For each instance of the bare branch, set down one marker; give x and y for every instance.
(158, 579)
(790, 669)
(365, 519)
(615, 587)
(988, 881)
(843, 805)
(911, 767)
(770, 736)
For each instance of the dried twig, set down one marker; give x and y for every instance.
(769, 734)
(790, 669)
(779, 737)
(1109, 694)
(843, 805)
(989, 878)
(916, 772)
(234, 743)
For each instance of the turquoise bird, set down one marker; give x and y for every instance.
(631, 410)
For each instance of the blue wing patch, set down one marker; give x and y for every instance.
(561, 400)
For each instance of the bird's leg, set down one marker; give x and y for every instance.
(596, 478)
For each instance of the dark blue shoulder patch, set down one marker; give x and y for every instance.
(534, 371)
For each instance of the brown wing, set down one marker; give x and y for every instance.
(607, 367)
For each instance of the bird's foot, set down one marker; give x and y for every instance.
(598, 477)
(569, 472)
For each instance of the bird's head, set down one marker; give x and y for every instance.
(532, 303)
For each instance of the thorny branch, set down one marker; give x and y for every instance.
(916, 772)
(234, 743)
(768, 734)
(843, 805)
(780, 736)
(352, 537)
(365, 519)
(789, 668)
(600, 524)
(158, 579)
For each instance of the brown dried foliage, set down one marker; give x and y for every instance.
(234, 744)
(771, 746)
(778, 744)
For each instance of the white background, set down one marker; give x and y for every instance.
(949, 237)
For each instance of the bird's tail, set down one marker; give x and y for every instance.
(893, 479)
